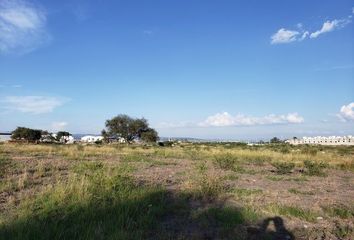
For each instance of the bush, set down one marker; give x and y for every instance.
(208, 186)
(283, 167)
(309, 150)
(284, 150)
(22, 133)
(227, 162)
(315, 168)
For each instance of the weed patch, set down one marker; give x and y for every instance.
(339, 211)
(283, 167)
(243, 192)
(228, 162)
(315, 168)
(292, 211)
(4, 163)
(299, 192)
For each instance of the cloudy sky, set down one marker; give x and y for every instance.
(207, 69)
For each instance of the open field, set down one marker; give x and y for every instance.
(187, 191)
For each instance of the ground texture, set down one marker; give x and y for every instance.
(184, 191)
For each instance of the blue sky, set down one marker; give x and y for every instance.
(207, 69)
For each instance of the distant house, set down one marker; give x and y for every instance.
(91, 139)
(116, 139)
(52, 138)
(67, 139)
(332, 140)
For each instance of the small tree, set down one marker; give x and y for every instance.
(30, 135)
(275, 140)
(128, 128)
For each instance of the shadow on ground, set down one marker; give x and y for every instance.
(157, 215)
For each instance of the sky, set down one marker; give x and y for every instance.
(241, 70)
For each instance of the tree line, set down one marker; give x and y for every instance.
(121, 126)
(35, 135)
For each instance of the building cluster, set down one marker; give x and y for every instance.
(332, 140)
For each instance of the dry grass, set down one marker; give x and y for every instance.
(224, 187)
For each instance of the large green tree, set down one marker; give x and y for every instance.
(129, 128)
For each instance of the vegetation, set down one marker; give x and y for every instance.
(61, 134)
(283, 167)
(275, 140)
(184, 191)
(129, 128)
(27, 134)
(293, 211)
(315, 168)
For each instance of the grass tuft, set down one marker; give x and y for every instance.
(315, 168)
(283, 167)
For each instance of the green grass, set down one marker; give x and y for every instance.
(228, 161)
(225, 220)
(343, 212)
(315, 168)
(283, 167)
(232, 177)
(89, 207)
(299, 192)
(207, 187)
(4, 163)
(282, 178)
(243, 192)
(292, 211)
(275, 178)
(110, 191)
(136, 158)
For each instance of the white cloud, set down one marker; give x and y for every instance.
(287, 36)
(347, 112)
(304, 35)
(225, 119)
(59, 126)
(329, 26)
(22, 26)
(33, 104)
(284, 36)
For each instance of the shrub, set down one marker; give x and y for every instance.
(315, 168)
(226, 161)
(22, 133)
(208, 186)
(285, 150)
(283, 167)
(309, 150)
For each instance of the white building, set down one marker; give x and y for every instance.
(67, 139)
(50, 138)
(91, 139)
(332, 140)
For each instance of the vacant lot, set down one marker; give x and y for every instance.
(186, 191)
